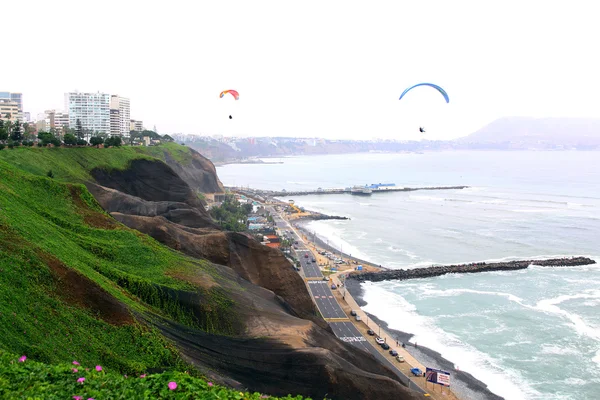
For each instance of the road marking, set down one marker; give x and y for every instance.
(349, 339)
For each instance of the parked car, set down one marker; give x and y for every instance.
(370, 332)
(305, 255)
(379, 340)
(358, 317)
(393, 353)
(353, 313)
(333, 286)
(385, 346)
(416, 371)
(400, 359)
(325, 278)
(313, 260)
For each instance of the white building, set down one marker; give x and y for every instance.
(137, 126)
(9, 110)
(92, 109)
(15, 98)
(120, 122)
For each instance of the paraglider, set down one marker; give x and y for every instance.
(232, 92)
(439, 89)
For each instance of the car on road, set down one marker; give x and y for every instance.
(296, 242)
(393, 353)
(400, 359)
(416, 371)
(370, 332)
(358, 317)
(385, 346)
(325, 278)
(353, 313)
(333, 287)
(295, 247)
(305, 255)
(313, 260)
(379, 340)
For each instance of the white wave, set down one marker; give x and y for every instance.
(558, 350)
(454, 292)
(365, 204)
(426, 198)
(525, 210)
(402, 315)
(580, 326)
(329, 232)
(407, 253)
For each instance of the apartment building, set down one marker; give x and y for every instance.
(119, 116)
(92, 109)
(137, 126)
(15, 98)
(9, 110)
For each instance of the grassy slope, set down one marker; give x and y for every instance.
(34, 380)
(41, 219)
(74, 164)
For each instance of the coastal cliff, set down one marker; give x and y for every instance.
(402, 274)
(231, 307)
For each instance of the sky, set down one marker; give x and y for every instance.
(332, 69)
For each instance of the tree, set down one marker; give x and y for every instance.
(79, 132)
(17, 133)
(3, 132)
(70, 139)
(113, 141)
(96, 140)
(81, 142)
(45, 137)
(168, 138)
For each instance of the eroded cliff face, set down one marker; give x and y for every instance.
(200, 174)
(280, 346)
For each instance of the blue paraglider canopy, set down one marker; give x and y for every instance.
(439, 89)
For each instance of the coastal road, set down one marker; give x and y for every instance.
(329, 308)
(311, 270)
(327, 304)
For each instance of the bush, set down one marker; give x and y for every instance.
(113, 141)
(2, 146)
(81, 142)
(39, 144)
(50, 174)
(11, 146)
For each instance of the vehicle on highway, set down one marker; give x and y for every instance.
(379, 340)
(416, 371)
(370, 332)
(305, 255)
(325, 278)
(296, 242)
(393, 353)
(333, 287)
(353, 313)
(385, 346)
(313, 260)
(358, 318)
(295, 247)
(399, 358)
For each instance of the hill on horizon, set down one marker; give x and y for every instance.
(529, 130)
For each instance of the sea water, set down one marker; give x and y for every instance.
(529, 334)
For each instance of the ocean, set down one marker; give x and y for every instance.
(529, 334)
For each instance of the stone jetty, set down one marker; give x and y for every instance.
(427, 272)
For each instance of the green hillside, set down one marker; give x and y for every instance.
(74, 164)
(75, 284)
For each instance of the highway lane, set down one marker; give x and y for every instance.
(327, 304)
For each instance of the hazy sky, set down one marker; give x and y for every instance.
(309, 68)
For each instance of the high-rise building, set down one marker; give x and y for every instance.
(92, 109)
(53, 120)
(16, 98)
(9, 110)
(137, 126)
(119, 116)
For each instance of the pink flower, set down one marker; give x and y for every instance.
(125, 376)
(210, 383)
(74, 370)
(172, 385)
(142, 375)
(98, 368)
(23, 358)
(78, 397)
(80, 380)
(75, 363)
(89, 398)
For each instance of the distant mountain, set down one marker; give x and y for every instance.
(538, 132)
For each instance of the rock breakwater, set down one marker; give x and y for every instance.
(428, 272)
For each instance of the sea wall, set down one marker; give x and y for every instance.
(466, 268)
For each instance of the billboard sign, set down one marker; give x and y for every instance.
(437, 376)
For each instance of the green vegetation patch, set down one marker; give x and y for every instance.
(231, 215)
(24, 378)
(54, 240)
(74, 164)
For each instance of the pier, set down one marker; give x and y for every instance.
(285, 193)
